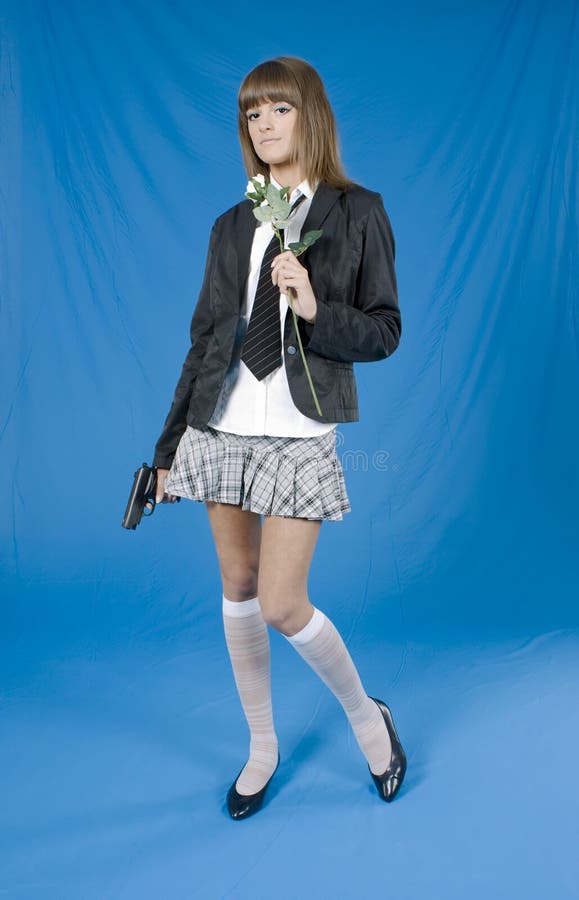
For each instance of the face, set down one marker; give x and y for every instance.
(271, 126)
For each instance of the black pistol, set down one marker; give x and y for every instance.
(142, 492)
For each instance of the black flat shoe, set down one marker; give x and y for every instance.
(389, 783)
(240, 806)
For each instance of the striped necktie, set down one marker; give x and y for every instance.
(261, 351)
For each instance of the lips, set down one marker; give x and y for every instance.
(269, 140)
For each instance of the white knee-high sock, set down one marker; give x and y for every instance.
(321, 645)
(248, 645)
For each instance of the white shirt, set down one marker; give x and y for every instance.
(245, 404)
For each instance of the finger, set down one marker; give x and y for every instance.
(282, 273)
(286, 259)
(287, 283)
(283, 258)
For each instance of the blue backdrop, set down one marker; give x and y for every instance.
(454, 578)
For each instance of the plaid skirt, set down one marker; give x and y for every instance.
(299, 477)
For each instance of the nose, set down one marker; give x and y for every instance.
(264, 122)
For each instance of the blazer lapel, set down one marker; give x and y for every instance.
(322, 202)
(324, 198)
(243, 237)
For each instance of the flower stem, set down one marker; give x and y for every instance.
(290, 294)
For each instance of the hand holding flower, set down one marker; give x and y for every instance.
(287, 272)
(271, 204)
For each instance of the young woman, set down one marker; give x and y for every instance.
(244, 434)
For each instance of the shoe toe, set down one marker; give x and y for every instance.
(388, 784)
(240, 806)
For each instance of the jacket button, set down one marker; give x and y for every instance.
(291, 349)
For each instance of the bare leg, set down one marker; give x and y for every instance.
(237, 535)
(287, 548)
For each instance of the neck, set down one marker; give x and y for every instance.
(287, 176)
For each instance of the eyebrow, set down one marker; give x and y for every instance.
(257, 108)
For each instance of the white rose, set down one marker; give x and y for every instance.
(261, 179)
(250, 189)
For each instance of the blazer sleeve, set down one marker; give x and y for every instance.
(368, 326)
(200, 331)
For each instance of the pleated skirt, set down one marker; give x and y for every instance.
(300, 477)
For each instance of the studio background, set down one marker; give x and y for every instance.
(454, 578)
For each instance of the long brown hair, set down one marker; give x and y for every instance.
(315, 143)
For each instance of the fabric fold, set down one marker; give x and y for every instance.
(274, 476)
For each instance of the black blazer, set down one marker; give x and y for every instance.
(351, 270)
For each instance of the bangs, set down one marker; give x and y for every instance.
(270, 81)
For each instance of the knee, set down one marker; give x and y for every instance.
(276, 616)
(285, 615)
(240, 582)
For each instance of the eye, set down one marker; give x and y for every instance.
(282, 107)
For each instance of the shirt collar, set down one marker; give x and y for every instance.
(303, 187)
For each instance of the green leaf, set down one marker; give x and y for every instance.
(272, 194)
(280, 206)
(298, 247)
(280, 222)
(281, 209)
(311, 237)
(262, 213)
